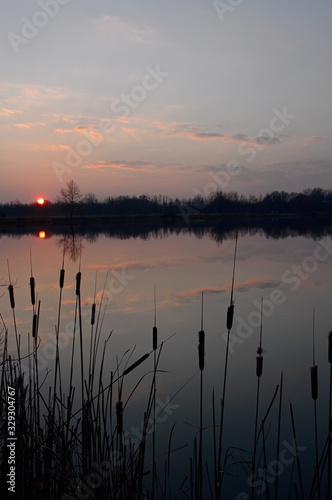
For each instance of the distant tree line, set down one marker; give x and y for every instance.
(71, 202)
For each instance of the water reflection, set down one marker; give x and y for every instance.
(183, 262)
(71, 245)
(219, 230)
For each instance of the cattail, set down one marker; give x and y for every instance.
(230, 314)
(201, 349)
(62, 278)
(119, 416)
(259, 365)
(154, 337)
(78, 282)
(137, 363)
(314, 382)
(93, 314)
(32, 290)
(34, 325)
(330, 347)
(11, 296)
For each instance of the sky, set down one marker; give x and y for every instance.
(178, 97)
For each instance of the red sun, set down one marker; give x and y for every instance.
(40, 201)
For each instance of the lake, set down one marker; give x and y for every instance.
(141, 276)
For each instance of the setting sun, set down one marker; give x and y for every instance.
(42, 235)
(40, 201)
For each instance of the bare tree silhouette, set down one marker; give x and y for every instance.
(70, 197)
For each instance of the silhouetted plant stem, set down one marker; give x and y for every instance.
(259, 370)
(278, 438)
(154, 347)
(12, 305)
(201, 355)
(329, 469)
(229, 324)
(314, 395)
(297, 455)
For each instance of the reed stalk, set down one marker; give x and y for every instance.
(278, 438)
(154, 347)
(314, 395)
(201, 356)
(229, 324)
(12, 305)
(296, 448)
(329, 426)
(259, 371)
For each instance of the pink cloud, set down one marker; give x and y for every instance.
(9, 112)
(29, 125)
(47, 147)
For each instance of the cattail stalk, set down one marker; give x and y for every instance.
(229, 324)
(32, 285)
(314, 395)
(329, 469)
(296, 448)
(259, 371)
(137, 363)
(278, 438)
(12, 305)
(154, 347)
(201, 355)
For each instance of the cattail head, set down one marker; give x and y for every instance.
(330, 347)
(11, 296)
(259, 365)
(230, 314)
(93, 314)
(314, 382)
(78, 282)
(201, 349)
(34, 325)
(154, 337)
(32, 290)
(62, 278)
(119, 417)
(137, 363)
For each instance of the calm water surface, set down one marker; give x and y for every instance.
(291, 274)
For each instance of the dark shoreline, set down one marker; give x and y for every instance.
(160, 219)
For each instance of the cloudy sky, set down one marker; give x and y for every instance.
(173, 97)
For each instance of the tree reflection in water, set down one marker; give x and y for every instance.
(71, 245)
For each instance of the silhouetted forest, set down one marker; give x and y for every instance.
(308, 201)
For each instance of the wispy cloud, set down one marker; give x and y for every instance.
(47, 147)
(138, 165)
(199, 133)
(30, 125)
(123, 29)
(10, 112)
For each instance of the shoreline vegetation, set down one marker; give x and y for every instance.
(71, 208)
(160, 219)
